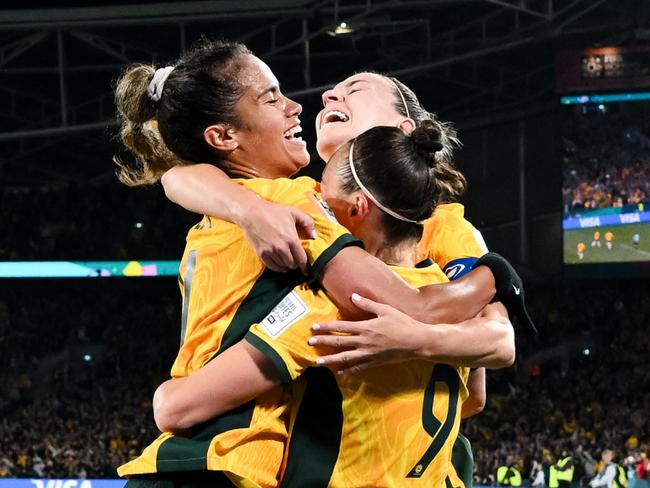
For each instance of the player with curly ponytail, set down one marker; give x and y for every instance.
(221, 104)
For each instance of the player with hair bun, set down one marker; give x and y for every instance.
(222, 105)
(377, 428)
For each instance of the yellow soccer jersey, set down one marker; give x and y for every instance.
(225, 288)
(390, 426)
(451, 241)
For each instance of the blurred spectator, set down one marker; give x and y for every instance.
(79, 403)
(94, 221)
(606, 161)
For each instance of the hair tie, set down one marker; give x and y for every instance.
(155, 88)
(369, 195)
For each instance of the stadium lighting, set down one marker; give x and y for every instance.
(342, 29)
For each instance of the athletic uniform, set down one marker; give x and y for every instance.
(389, 426)
(225, 289)
(451, 241)
(247, 443)
(455, 245)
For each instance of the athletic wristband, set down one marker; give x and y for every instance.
(510, 288)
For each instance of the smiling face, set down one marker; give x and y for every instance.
(267, 136)
(356, 104)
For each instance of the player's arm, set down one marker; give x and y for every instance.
(484, 341)
(231, 379)
(350, 270)
(475, 402)
(271, 229)
(353, 270)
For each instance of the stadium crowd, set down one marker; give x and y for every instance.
(584, 387)
(78, 372)
(606, 161)
(78, 403)
(71, 221)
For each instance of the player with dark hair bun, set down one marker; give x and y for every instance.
(377, 428)
(251, 132)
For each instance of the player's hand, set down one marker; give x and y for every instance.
(274, 231)
(385, 339)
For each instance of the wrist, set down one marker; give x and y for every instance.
(427, 339)
(244, 207)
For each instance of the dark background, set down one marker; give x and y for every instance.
(486, 65)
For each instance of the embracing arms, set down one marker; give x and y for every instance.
(232, 378)
(271, 230)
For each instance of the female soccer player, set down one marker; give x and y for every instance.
(222, 104)
(356, 104)
(390, 426)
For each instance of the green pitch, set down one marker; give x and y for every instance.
(622, 248)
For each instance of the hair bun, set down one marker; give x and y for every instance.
(427, 139)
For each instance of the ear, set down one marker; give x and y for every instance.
(221, 137)
(360, 207)
(407, 125)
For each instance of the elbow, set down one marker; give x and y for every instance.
(168, 413)
(473, 406)
(169, 183)
(505, 353)
(508, 353)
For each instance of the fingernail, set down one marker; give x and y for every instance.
(356, 297)
(314, 234)
(315, 327)
(312, 341)
(320, 361)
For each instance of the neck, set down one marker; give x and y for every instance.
(373, 235)
(244, 171)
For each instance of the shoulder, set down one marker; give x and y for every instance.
(280, 190)
(449, 212)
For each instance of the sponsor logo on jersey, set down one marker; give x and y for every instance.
(324, 207)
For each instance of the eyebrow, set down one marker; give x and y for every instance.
(354, 82)
(273, 89)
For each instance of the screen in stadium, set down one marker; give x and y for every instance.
(606, 178)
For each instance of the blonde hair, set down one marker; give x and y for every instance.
(139, 129)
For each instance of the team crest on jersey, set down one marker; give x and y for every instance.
(284, 315)
(320, 203)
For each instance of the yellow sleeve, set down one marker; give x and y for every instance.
(283, 334)
(451, 241)
(299, 193)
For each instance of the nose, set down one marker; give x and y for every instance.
(331, 96)
(292, 108)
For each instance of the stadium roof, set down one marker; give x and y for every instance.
(466, 59)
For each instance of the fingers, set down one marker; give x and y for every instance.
(369, 305)
(360, 366)
(341, 360)
(272, 263)
(342, 326)
(282, 258)
(299, 256)
(336, 341)
(304, 223)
